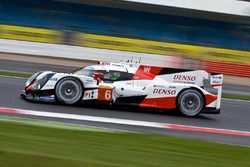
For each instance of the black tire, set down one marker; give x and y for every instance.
(190, 102)
(69, 90)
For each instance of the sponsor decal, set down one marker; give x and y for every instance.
(147, 69)
(159, 86)
(164, 91)
(88, 94)
(103, 63)
(146, 72)
(216, 77)
(53, 79)
(128, 83)
(184, 77)
(216, 80)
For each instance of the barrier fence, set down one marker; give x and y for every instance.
(163, 48)
(30, 34)
(227, 68)
(233, 62)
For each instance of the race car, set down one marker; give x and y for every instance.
(129, 84)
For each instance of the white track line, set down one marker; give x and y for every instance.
(126, 122)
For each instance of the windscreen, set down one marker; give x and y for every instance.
(85, 71)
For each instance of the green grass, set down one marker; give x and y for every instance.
(26, 75)
(240, 97)
(15, 74)
(28, 145)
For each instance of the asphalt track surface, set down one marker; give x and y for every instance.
(235, 115)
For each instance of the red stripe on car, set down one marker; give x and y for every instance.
(146, 72)
(161, 102)
(210, 98)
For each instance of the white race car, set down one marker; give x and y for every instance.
(129, 84)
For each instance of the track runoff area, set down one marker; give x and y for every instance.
(124, 122)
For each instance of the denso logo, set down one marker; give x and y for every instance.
(164, 91)
(185, 77)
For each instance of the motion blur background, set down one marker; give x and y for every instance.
(62, 35)
(217, 39)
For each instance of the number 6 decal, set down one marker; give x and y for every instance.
(105, 93)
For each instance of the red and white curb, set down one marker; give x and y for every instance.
(125, 122)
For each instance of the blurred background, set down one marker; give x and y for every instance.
(215, 37)
(62, 35)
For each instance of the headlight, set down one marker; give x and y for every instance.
(32, 78)
(38, 80)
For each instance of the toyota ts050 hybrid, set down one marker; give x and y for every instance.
(129, 84)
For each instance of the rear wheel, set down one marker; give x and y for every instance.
(190, 102)
(69, 90)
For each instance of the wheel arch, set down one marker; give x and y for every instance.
(69, 77)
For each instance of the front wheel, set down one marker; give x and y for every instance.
(69, 90)
(190, 102)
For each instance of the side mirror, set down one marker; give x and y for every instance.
(97, 76)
